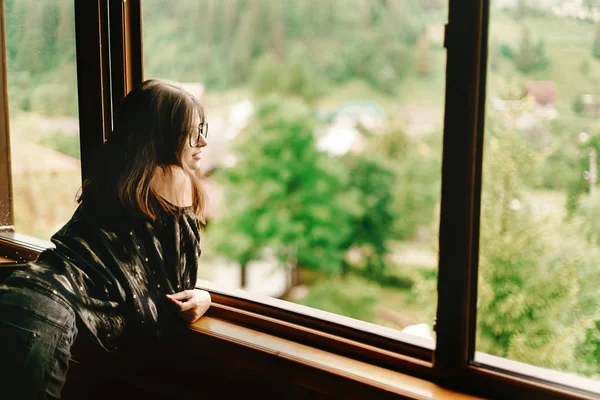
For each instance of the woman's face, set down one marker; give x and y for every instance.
(191, 156)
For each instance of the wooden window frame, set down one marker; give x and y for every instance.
(110, 62)
(6, 201)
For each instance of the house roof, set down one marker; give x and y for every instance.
(545, 93)
(28, 158)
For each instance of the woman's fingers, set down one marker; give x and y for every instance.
(192, 303)
(182, 296)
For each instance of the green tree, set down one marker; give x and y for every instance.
(371, 230)
(591, 5)
(525, 57)
(537, 278)
(578, 105)
(289, 197)
(521, 11)
(589, 213)
(267, 76)
(584, 68)
(417, 178)
(596, 44)
(580, 185)
(531, 57)
(349, 296)
(423, 56)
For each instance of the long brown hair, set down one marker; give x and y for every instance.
(151, 130)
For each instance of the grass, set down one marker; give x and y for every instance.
(389, 306)
(43, 202)
(357, 297)
(412, 91)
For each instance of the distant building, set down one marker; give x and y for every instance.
(341, 138)
(365, 112)
(591, 105)
(31, 158)
(545, 93)
(421, 120)
(538, 103)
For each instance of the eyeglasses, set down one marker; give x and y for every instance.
(195, 136)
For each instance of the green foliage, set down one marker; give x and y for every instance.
(596, 44)
(507, 52)
(350, 297)
(578, 105)
(374, 181)
(267, 77)
(584, 68)
(41, 57)
(66, 144)
(531, 57)
(522, 8)
(561, 169)
(535, 280)
(589, 351)
(293, 77)
(589, 212)
(539, 320)
(53, 97)
(225, 49)
(422, 56)
(579, 185)
(416, 187)
(288, 197)
(525, 57)
(494, 54)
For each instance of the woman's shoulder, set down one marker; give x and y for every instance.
(174, 185)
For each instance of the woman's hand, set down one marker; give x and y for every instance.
(192, 303)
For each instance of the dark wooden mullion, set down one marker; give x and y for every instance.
(93, 80)
(478, 173)
(136, 42)
(125, 49)
(6, 204)
(461, 177)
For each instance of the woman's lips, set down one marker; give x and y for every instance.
(197, 156)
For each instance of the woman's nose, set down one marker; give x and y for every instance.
(202, 142)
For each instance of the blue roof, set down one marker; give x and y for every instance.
(363, 104)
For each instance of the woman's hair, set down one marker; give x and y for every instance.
(150, 131)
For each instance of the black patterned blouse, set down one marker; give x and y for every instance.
(115, 272)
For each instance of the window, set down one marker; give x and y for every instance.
(539, 242)
(44, 125)
(552, 144)
(324, 158)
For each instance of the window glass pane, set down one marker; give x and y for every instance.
(44, 128)
(539, 280)
(324, 160)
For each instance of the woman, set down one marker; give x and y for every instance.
(125, 265)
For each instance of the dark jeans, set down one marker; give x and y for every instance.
(37, 330)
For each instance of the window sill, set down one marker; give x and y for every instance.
(19, 247)
(489, 364)
(351, 371)
(370, 343)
